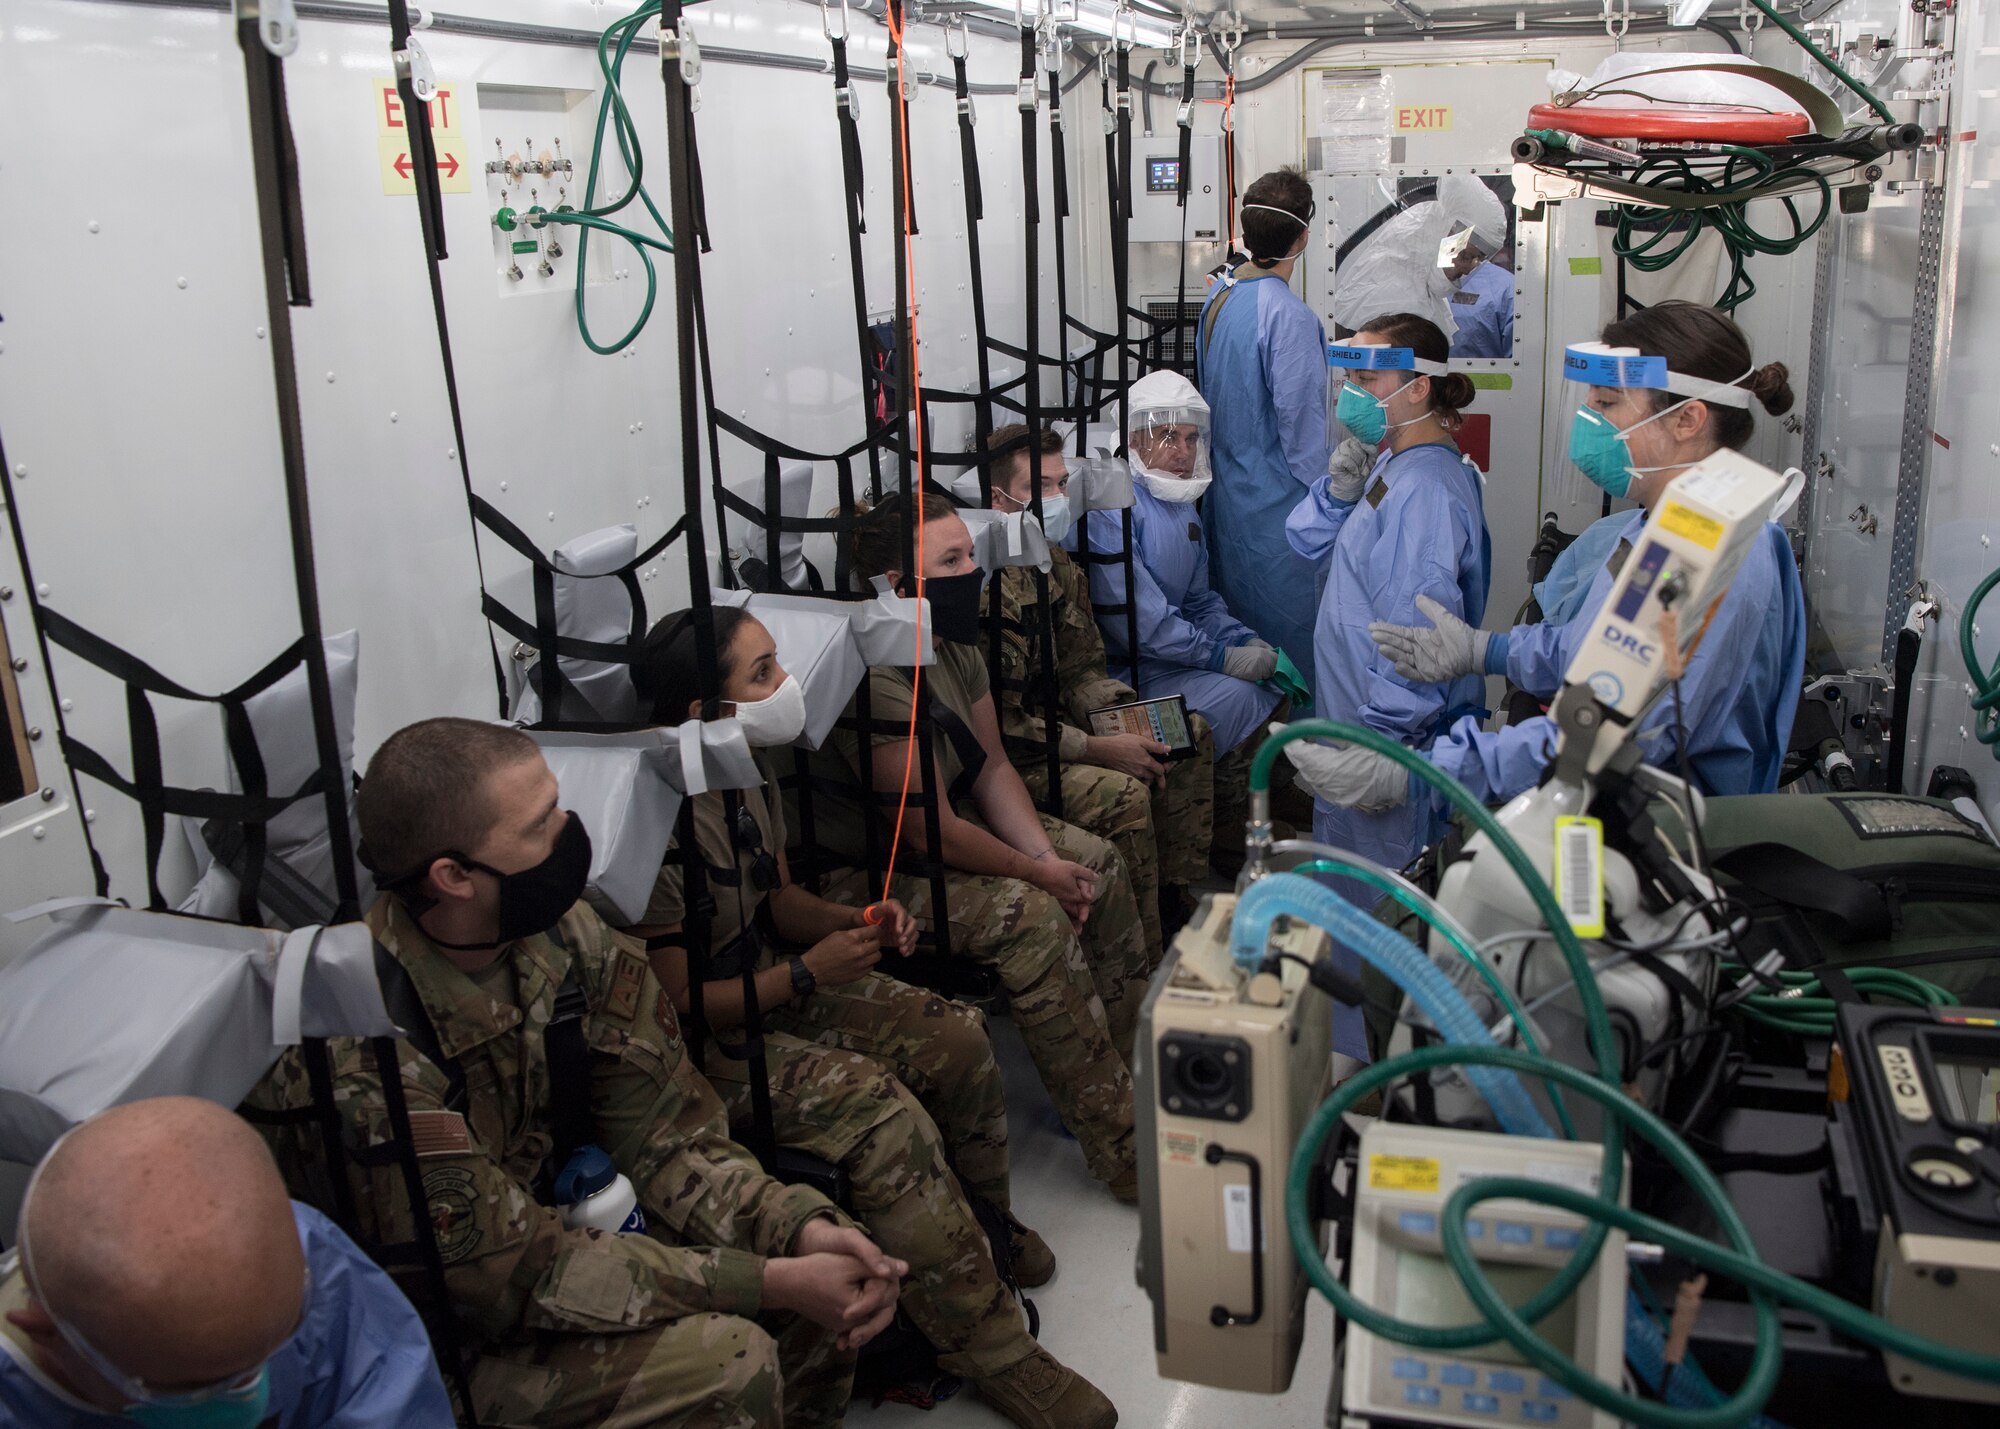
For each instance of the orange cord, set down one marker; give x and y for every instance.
(916, 411)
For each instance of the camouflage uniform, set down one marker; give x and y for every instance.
(1075, 1000)
(576, 1327)
(844, 1102)
(1162, 834)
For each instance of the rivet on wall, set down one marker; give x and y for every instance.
(92, 225)
(329, 377)
(180, 282)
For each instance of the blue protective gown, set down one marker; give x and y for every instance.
(1483, 307)
(359, 1360)
(1263, 374)
(1561, 593)
(1738, 697)
(1423, 534)
(1185, 628)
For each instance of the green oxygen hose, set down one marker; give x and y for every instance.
(592, 216)
(1359, 869)
(1985, 680)
(1805, 43)
(1619, 1109)
(1597, 1023)
(1767, 1287)
(1798, 1010)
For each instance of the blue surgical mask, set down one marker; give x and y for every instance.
(242, 1408)
(1056, 518)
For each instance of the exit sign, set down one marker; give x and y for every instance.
(1422, 118)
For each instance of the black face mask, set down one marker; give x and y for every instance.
(955, 606)
(531, 901)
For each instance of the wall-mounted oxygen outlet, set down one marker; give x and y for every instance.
(533, 170)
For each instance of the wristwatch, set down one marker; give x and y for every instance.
(803, 981)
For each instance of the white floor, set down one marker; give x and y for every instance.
(1095, 1318)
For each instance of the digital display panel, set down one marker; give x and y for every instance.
(1428, 1293)
(1163, 176)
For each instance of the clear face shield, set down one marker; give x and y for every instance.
(1361, 380)
(1169, 446)
(1462, 250)
(1617, 399)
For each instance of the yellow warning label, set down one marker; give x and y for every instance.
(1403, 1173)
(1180, 1148)
(1689, 525)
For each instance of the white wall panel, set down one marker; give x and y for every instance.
(135, 386)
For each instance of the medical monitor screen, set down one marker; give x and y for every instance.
(1970, 1089)
(1427, 1293)
(1163, 176)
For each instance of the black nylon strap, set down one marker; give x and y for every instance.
(1797, 880)
(402, 1137)
(572, 1119)
(1181, 182)
(1121, 278)
(430, 219)
(689, 223)
(968, 147)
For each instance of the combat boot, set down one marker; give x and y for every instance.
(1041, 1393)
(1033, 1263)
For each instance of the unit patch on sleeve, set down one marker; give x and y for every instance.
(623, 1003)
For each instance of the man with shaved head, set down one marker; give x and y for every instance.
(160, 1276)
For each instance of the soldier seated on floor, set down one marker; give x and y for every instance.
(1043, 903)
(1158, 814)
(736, 1290)
(893, 1083)
(161, 1276)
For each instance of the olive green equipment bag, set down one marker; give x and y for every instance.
(1880, 880)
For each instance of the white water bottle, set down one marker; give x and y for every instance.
(594, 1194)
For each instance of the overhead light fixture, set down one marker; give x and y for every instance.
(1689, 12)
(1095, 17)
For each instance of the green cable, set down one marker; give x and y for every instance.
(1597, 1022)
(1766, 1286)
(1762, 1377)
(1813, 1016)
(591, 216)
(1985, 681)
(1806, 44)
(1356, 868)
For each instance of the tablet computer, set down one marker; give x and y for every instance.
(1164, 719)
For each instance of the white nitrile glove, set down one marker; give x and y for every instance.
(1349, 466)
(1247, 662)
(1353, 778)
(1431, 654)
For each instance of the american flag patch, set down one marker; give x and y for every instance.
(439, 1133)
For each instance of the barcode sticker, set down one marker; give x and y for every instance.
(1236, 1225)
(1580, 874)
